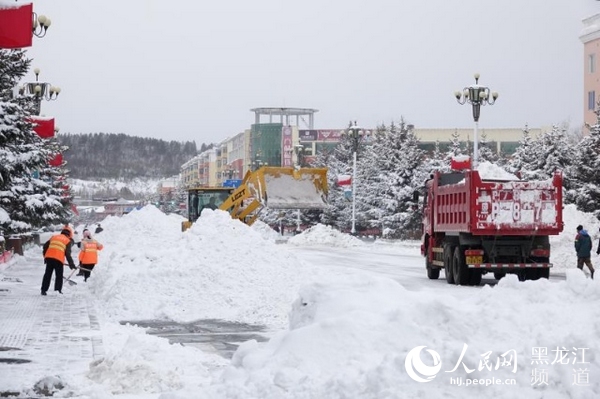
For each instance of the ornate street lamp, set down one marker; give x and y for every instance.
(299, 150)
(477, 96)
(40, 25)
(41, 90)
(356, 135)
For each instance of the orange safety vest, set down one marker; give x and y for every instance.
(58, 246)
(89, 251)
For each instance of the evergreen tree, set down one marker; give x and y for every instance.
(485, 152)
(436, 161)
(395, 170)
(552, 151)
(455, 148)
(523, 160)
(25, 195)
(586, 171)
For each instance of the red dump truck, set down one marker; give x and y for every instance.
(473, 226)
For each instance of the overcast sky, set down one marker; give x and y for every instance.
(192, 69)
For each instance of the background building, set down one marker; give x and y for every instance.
(590, 37)
(286, 137)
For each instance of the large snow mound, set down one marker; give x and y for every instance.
(351, 338)
(324, 235)
(213, 270)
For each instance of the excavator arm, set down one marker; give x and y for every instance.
(270, 186)
(277, 188)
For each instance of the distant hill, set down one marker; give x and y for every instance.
(119, 156)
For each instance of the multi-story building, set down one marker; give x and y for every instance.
(279, 143)
(590, 37)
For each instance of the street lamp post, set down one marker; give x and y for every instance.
(230, 172)
(355, 134)
(477, 96)
(299, 150)
(41, 91)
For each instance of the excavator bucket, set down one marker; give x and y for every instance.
(289, 188)
(270, 186)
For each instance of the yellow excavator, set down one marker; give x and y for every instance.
(270, 186)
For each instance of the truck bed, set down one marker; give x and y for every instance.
(463, 202)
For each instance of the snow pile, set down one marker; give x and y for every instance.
(136, 362)
(351, 339)
(490, 171)
(219, 268)
(13, 4)
(324, 235)
(265, 231)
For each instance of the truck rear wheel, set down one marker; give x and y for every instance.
(498, 275)
(433, 273)
(545, 273)
(460, 269)
(448, 264)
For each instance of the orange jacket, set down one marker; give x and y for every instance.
(89, 251)
(57, 247)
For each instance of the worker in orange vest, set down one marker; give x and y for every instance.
(88, 256)
(56, 249)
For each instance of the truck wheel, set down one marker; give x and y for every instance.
(433, 273)
(532, 274)
(545, 273)
(448, 264)
(460, 269)
(475, 277)
(498, 275)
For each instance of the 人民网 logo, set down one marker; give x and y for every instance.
(419, 371)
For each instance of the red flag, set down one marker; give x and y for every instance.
(57, 160)
(344, 180)
(44, 127)
(16, 26)
(460, 162)
(74, 209)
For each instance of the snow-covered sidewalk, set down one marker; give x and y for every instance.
(41, 336)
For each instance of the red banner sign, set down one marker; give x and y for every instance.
(57, 160)
(286, 146)
(460, 162)
(44, 127)
(16, 26)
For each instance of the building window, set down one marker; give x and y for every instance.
(591, 100)
(592, 63)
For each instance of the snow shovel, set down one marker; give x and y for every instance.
(68, 279)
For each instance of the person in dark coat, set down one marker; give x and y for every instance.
(99, 229)
(583, 247)
(56, 249)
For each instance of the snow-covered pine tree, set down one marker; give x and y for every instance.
(585, 184)
(552, 151)
(27, 199)
(434, 161)
(454, 149)
(523, 160)
(396, 171)
(486, 153)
